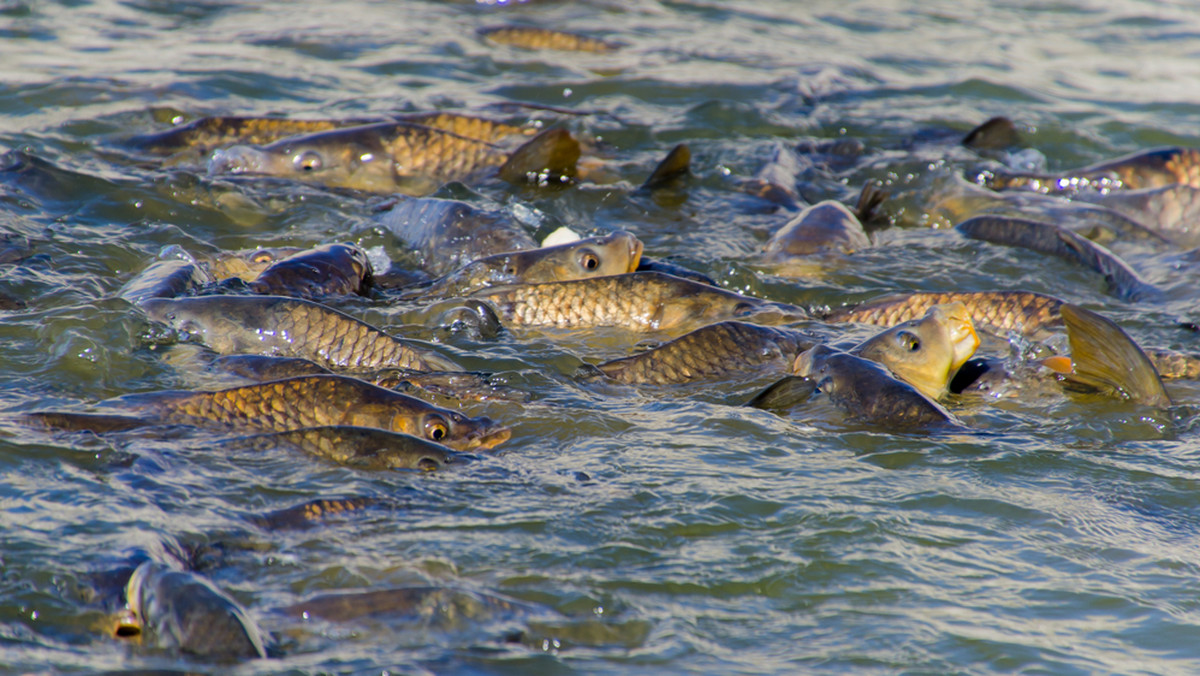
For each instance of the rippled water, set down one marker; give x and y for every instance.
(673, 530)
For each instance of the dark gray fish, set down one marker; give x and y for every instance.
(448, 234)
(184, 612)
(997, 133)
(1053, 240)
(166, 278)
(326, 270)
(674, 166)
(776, 181)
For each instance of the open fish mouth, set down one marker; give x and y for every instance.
(635, 254)
(237, 160)
(491, 436)
(963, 339)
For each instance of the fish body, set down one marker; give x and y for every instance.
(1172, 211)
(711, 352)
(1056, 241)
(291, 327)
(308, 514)
(437, 607)
(166, 278)
(362, 447)
(613, 254)
(326, 270)
(638, 301)
(866, 390)
(529, 37)
(825, 226)
(1143, 169)
(998, 312)
(204, 135)
(388, 157)
(315, 401)
(925, 352)
(449, 234)
(185, 612)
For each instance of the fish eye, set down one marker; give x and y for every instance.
(263, 257)
(428, 463)
(589, 260)
(436, 427)
(909, 341)
(742, 309)
(309, 160)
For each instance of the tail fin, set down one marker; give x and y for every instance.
(1107, 359)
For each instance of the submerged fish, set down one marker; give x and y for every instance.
(995, 311)
(326, 270)
(1053, 240)
(293, 403)
(859, 386)
(398, 157)
(291, 327)
(825, 226)
(925, 352)
(166, 278)
(436, 607)
(362, 447)
(638, 301)
(715, 351)
(613, 254)
(1143, 169)
(449, 234)
(308, 514)
(674, 166)
(529, 37)
(248, 264)
(1172, 211)
(181, 611)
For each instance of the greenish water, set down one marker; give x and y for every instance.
(674, 531)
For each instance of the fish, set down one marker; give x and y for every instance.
(998, 312)
(184, 612)
(825, 226)
(360, 447)
(925, 352)
(174, 274)
(1174, 365)
(1122, 280)
(326, 270)
(196, 139)
(776, 180)
(718, 350)
(1106, 359)
(648, 264)
(449, 234)
(612, 254)
(308, 514)
(996, 133)
(530, 37)
(456, 385)
(1155, 168)
(403, 157)
(293, 403)
(292, 327)
(248, 264)
(437, 607)
(1171, 211)
(637, 301)
(864, 389)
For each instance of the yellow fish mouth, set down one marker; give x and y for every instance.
(490, 438)
(963, 339)
(635, 254)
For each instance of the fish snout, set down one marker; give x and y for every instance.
(237, 160)
(489, 435)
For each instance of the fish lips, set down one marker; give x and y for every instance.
(238, 160)
(487, 436)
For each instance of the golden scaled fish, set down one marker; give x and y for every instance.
(291, 327)
(183, 612)
(400, 157)
(248, 264)
(530, 37)
(360, 447)
(638, 301)
(1143, 169)
(612, 254)
(196, 139)
(925, 352)
(289, 404)
(308, 514)
(994, 311)
(719, 350)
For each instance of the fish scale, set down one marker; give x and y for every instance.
(998, 311)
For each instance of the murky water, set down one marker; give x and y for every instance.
(664, 531)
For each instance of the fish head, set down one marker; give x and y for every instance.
(925, 352)
(249, 264)
(324, 159)
(329, 268)
(614, 254)
(825, 226)
(453, 429)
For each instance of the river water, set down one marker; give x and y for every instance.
(661, 530)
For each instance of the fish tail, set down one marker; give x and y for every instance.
(1105, 357)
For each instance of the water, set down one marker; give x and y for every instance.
(673, 531)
